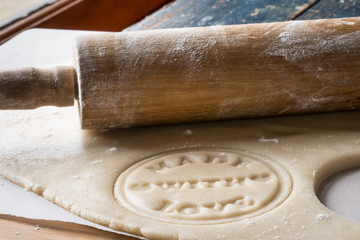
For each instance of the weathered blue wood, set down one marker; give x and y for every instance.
(333, 9)
(195, 13)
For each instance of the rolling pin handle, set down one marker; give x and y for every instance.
(29, 88)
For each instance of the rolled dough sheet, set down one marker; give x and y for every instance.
(248, 179)
(16, 201)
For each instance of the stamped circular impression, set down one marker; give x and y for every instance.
(203, 186)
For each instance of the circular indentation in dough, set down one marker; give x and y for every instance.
(340, 193)
(203, 186)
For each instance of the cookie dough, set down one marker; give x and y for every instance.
(247, 179)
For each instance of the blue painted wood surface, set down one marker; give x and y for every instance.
(195, 13)
(333, 9)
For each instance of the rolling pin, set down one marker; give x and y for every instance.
(199, 74)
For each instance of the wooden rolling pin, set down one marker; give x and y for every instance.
(199, 74)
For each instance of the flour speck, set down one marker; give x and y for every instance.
(265, 140)
(322, 216)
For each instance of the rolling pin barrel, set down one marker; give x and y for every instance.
(215, 73)
(200, 74)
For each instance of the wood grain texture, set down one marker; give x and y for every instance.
(190, 13)
(22, 228)
(34, 19)
(216, 73)
(109, 15)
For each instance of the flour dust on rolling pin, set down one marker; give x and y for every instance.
(216, 73)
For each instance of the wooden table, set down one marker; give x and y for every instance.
(190, 13)
(195, 13)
